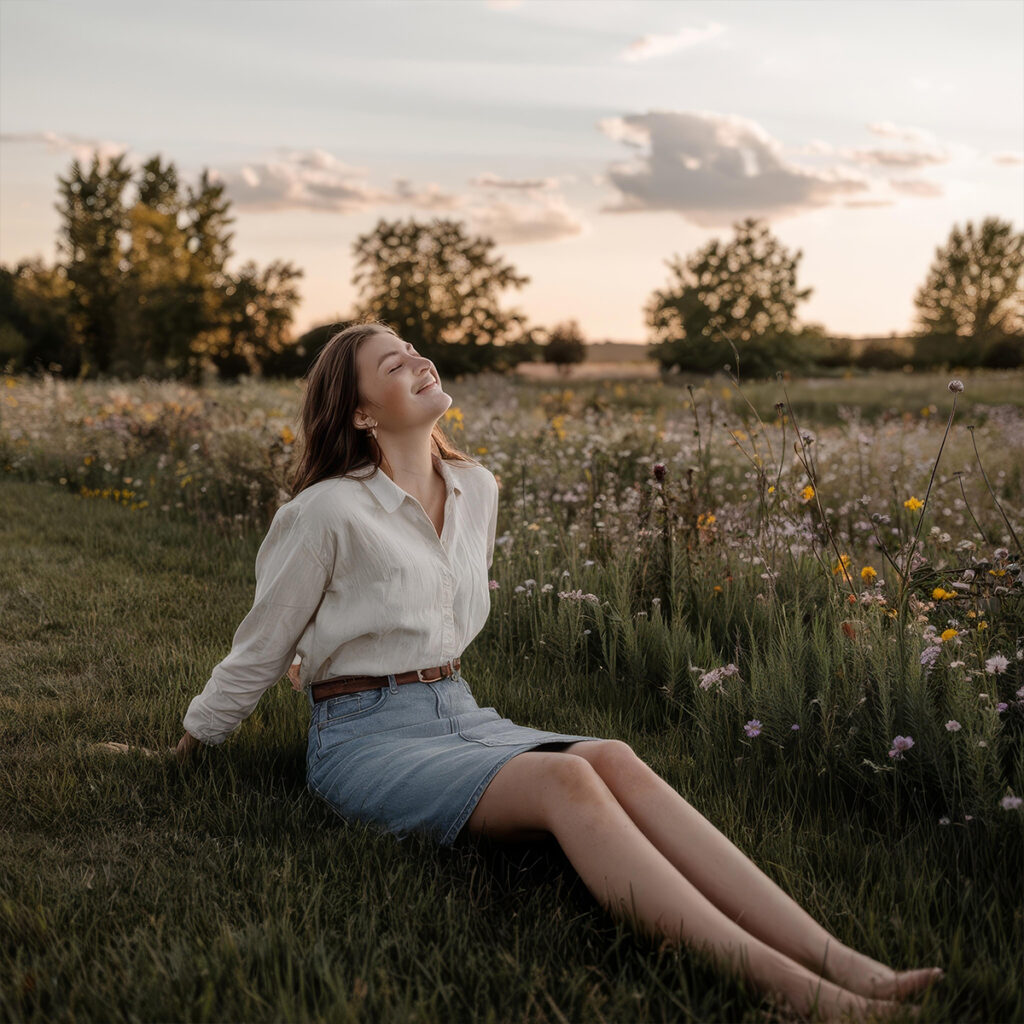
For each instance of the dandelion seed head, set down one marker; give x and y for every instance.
(956, 387)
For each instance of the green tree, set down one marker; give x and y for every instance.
(92, 238)
(975, 285)
(743, 292)
(34, 303)
(439, 290)
(565, 346)
(258, 308)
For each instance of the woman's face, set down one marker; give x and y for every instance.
(392, 376)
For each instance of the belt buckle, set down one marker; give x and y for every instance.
(419, 676)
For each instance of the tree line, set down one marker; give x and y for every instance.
(141, 287)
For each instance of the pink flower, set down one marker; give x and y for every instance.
(899, 744)
(1010, 803)
(752, 728)
(493, 584)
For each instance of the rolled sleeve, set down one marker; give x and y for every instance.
(292, 574)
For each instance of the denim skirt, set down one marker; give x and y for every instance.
(412, 758)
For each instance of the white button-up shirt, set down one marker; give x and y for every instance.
(353, 579)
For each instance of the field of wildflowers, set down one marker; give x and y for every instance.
(804, 595)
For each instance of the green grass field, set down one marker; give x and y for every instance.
(134, 888)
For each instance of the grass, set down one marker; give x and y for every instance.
(130, 516)
(137, 889)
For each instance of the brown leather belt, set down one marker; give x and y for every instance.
(353, 684)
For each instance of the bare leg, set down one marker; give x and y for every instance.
(563, 794)
(731, 881)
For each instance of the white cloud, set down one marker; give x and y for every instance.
(489, 180)
(1008, 158)
(713, 167)
(917, 187)
(650, 46)
(546, 219)
(81, 148)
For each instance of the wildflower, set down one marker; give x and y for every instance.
(547, 588)
(705, 519)
(794, 727)
(899, 744)
(841, 565)
(519, 589)
(771, 489)
(493, 584)
(982, 625)
(1001, 707)
(939, 594)
(807, 493)
(948, 634)
(659, 471)
(913, 503)
(957, 664)
(867, 574)
(1010, 803)
(752, 728)
(930, 654)
(716, 675)
(996, 664)
(956, 386)
(943, 821)
(953, 725)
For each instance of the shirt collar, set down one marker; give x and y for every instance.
(390, 495)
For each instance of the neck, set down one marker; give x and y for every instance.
(408, 456)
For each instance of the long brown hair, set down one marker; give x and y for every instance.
(330, 443)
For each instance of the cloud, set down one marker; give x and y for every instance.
(714, 167)
(317, 180)
(917, 187)
(907, 158)
(81, 148)
(1008, 158)
(545, 219)
(857, 203)
(488, 180)
(650, 46)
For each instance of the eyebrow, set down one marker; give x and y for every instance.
(393, 352)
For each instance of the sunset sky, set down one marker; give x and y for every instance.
(592, 141)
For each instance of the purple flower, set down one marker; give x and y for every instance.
(953, 725)
(493, 584)
(659, 471)
(752, 728)
(899, 744)
(1001, 707)
(794, 727)
(1010, 803)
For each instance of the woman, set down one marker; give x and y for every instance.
(382, 576)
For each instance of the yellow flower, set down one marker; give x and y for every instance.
(997, 572)
(286, 434)
(938, 594)
(982, 625)
(913, 503)
(88, 460)
(948, 634)
(533, 526)
(705, 519)
(481, 450)
(844, 561)
(772, 488)
(867, 574)
(807, 493)
(972, 614)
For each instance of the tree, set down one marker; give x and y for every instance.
(258, 308)
(975, 285)
(439, 290)
(91, 240)
(34, 301)
(565, 346)
(744, 292)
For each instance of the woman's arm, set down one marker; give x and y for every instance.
(292, 573)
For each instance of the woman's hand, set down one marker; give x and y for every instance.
(187, 745)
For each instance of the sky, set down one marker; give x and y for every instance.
(594, 142)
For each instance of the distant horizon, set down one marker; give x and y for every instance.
(593, 142)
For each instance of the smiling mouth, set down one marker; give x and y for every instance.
(427, 385)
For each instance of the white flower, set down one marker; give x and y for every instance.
(996, 664)
(953, 725)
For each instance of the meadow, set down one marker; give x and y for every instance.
(800, 601)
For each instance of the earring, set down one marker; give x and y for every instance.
(372, 431)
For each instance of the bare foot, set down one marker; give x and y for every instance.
(859, 973)
(831, 1002)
